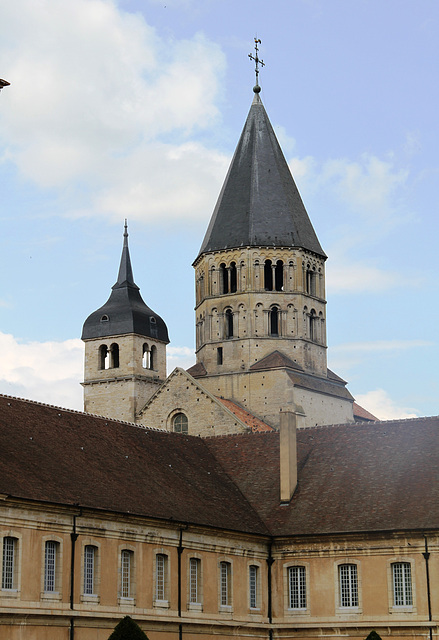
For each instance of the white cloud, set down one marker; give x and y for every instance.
(383, 407)
(98, 101)
(359, 202)
(49, 372)
(183, 357)
(369, 186)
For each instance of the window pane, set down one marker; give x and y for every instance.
(402, 584)
(89, 570)
(49, 566)
(9, 550)
(194, 577)
(126, 573)
(180, 423)
(160, 577)
(253, 586)
(297, 587)
(225, 583)
(348, 585)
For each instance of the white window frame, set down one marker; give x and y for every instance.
(254, 589)
(90, 571)
(54, 580)
(9, 563)
(402, 609)
(297, 588)
(225, 594)
(194, 580)
(161, 579)
(348, 579)
(402, 584)
(126, 575)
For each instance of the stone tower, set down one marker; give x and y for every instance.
(260, 290)
(125, 349)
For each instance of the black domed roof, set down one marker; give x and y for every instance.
(125, 311)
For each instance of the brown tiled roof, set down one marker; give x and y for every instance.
(255, 424)
(362, 414)
(197, 370)
(55, 455)
(319, 384)
(379, 476)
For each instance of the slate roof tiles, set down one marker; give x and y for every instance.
(379, 476)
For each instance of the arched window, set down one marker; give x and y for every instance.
(51, 570)
(233, 277)
(274, 321)
(313, 333)
(268, 276)
(296, 588)
(225, 584)
(194, 580)
(153, 357)
(126, 573)
(161, 577)
(104, 357)
(145, 356)
(253, 586)
(348, 585)
(180, 423)
(279, 276)
(224, 278)
(90, 573)
(310, 281)
(114, 356)
(229, 323)
(10, 563)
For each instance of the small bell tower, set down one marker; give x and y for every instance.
(125, 349)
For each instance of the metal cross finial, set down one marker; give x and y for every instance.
(256, 88)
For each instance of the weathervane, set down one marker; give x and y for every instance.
(256, 88)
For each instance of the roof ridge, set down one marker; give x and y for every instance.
(367, 423)
(78, 412)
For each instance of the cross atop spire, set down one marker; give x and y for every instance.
(258, 62)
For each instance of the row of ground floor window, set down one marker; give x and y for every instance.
(296, 578)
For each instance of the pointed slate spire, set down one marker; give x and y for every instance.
(125, 311)
(259, 204)
(125, 277)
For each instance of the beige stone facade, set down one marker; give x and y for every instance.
(237, 293)
(207, 603)
(119, 386)
(182, 394)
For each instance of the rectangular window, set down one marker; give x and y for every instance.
(126, 561)
(402, 584)
(50, 558)
(225, 575)
(9, 562)
(89, 570)
(296, 588)
(161, 569)
(348, 585)
(253, 586)
(194, 581)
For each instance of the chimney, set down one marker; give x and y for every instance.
(288, 455)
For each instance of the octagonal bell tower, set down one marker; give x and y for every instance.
(125, 349)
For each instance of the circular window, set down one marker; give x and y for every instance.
(180, 423)
(105, 318)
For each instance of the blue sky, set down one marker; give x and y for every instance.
(133, 108)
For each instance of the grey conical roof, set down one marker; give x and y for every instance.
(259, 204)
(125, 311)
